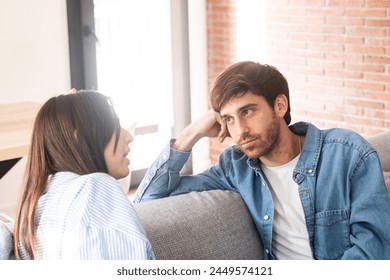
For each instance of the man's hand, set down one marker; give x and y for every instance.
(73, 91)
(209, 125)
(223, 131)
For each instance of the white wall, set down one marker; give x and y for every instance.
(34, 56)
(34, 64)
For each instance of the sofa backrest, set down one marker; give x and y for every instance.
(200, 225)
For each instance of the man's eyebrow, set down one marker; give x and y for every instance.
(246, 106)
(242, 108)
(224, 116)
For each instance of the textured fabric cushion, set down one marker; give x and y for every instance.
(381, 144)
(6, 242)
(200, 225)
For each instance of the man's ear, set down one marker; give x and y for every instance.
(281, 105)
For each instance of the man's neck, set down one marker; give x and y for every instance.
(288, 148)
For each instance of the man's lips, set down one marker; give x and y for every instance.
(244, 143)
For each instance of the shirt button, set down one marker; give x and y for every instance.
(164, 157)
(267, 251)
(266, 217)
(310, 171)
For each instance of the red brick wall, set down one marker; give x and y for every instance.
(334, 53)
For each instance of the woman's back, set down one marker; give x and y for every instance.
(88, 217)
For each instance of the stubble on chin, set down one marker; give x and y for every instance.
(262, 146)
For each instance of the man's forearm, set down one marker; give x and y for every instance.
(187, 139)
(206, 126)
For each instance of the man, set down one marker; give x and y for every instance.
(313, 194)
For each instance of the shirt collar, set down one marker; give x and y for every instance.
(308, 160)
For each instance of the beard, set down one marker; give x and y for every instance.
(256, 145)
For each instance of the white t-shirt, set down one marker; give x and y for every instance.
(290, 237)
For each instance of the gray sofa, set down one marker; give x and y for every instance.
(208, 225)
(214, 224)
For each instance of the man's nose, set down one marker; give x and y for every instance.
(241, 128)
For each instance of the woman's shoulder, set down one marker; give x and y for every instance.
(76, 179)
(99, 178)
(71, 185)
(100, 184)
(89, 194)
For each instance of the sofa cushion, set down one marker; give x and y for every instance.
(200, 225)
(381, 144)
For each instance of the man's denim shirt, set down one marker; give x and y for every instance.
(341, 187)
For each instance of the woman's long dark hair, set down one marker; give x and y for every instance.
(70, 133)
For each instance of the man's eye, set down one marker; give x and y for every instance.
(227, 120)
(246, 112)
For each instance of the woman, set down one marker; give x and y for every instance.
(71, 204)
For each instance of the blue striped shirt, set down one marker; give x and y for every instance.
(88, 217)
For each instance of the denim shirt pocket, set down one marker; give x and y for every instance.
(331, 237)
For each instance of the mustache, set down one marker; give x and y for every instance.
(246, 139)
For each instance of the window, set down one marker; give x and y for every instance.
(125, 49)
(134, 67)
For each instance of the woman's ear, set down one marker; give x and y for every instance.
(281, 105)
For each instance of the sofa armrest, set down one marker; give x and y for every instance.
(6, 241)
(200, 225)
